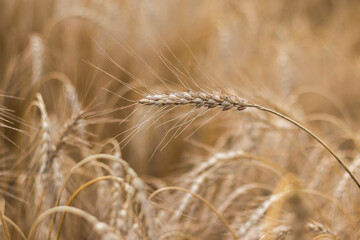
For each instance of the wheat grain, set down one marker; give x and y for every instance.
(197, 99)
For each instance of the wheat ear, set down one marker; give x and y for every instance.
(227, 102)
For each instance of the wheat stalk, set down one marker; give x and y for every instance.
(227, 102)
(102, 229)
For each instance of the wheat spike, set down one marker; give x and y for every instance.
(197, 99)
(227, 102)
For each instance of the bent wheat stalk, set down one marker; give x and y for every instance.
(227, 102)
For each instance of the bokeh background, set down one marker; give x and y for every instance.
(301, 58)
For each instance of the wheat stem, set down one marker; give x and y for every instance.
(313, 136)
(208, 204)
(227, 102)
(82, 187)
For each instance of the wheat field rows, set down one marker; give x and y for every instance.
(179, 120)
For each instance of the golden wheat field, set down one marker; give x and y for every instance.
(179, 119)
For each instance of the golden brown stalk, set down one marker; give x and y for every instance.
(227, 102)
(101, 228)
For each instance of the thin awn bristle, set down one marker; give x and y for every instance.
(197, 99)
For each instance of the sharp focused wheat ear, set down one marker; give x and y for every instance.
(227, 102)
(197, 99)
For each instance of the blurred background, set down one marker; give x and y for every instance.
(72, 71)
